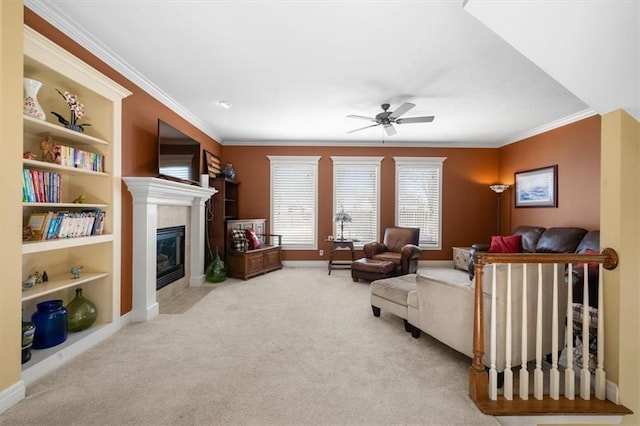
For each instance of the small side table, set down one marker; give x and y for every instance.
(339, 245)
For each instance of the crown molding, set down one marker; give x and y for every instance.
(580, 115)
(50, 13)
(366, 144)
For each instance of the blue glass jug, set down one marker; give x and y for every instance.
(50, 321)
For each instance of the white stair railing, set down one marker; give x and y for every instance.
(555, 330)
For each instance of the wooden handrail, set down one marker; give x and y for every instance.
(478, 376)
(608, 257)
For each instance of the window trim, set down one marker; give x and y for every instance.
(307, 160)
(436, 162)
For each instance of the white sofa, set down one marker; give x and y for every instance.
(442, 306)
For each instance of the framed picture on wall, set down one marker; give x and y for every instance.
(212, 164)
(537, 187)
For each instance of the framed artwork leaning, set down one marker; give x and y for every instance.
(537, 187)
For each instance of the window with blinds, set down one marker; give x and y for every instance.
(294, 205)
(419, 197)
(356, 182)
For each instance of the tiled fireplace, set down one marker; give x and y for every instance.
(159, 203)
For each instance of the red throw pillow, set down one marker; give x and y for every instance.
(508, 244)
(254, 242)
(591, 266)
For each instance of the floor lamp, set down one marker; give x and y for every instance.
(499, 189)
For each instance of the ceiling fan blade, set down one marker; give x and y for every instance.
(390, 130)
(362, 128)
(402, 109)
(361, 117)
(425, 119)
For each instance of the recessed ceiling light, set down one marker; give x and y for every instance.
(225, 104)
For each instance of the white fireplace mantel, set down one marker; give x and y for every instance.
(148, 193)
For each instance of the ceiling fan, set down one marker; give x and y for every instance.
(388, 118)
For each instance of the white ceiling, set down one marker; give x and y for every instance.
(294, 70)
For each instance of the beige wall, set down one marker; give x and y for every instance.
(10, 191)
(620, 210)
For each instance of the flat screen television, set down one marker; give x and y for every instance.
(178, 155)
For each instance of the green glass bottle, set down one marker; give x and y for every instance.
(28, 329)
(216, 271)
(81, 313)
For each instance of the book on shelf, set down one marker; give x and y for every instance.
(66, 224)
(69, 156)
(28, 193)
(41, 187)
(52, 226)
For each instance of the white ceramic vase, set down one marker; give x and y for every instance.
(31, 107)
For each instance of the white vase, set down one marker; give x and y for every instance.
(31, 107)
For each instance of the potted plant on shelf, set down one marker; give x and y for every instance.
(77, 112)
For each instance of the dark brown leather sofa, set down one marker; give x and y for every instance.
(537, 239)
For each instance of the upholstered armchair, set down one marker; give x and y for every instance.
(399, 245)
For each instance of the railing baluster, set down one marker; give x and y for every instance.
(585, 375)
(508, 374)
(524, 373)
(569, 373)
(554, 374)
(537, 374)
(493, 374)
(600, 374)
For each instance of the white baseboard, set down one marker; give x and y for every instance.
(611, 392)
(12, 395)
(323, 263)
(435, 263)
(305, 263)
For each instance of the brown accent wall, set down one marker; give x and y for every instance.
(468, 204)
(140, 114)
(575, 148)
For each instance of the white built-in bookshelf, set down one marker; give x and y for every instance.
(97, 252)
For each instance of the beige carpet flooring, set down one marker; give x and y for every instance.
(293, 347)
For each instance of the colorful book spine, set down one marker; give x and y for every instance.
(27, 188)
(41, 187)
(68, 156)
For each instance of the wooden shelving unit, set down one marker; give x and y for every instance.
(225, 207)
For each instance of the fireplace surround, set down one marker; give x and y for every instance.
(148, 193)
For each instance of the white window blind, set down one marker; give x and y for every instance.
(356, 183)
(294, 195)
(419, 197)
